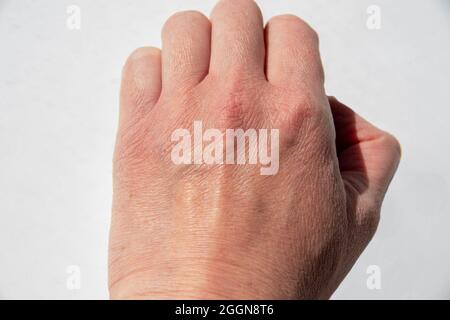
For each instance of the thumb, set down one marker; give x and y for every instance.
(368, 158)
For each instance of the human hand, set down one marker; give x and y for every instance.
(224, 230)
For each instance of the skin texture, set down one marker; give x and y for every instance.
(225, 231)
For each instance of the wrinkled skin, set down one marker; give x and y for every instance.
(226, 231)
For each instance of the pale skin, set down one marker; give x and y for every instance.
(225, 231)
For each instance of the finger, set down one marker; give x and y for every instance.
(237, 38)
(186, 50)
(292, 52)
(368, 156)
(141, 83)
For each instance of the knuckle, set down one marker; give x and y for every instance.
(135, 89)
(297, 115)
(285, 18)
(182, 18)
(295, 23)
(230, 6)
(231, 112)
(141, 53)
(392, 144)
(302, 109)
(236, 104)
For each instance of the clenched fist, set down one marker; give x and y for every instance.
(207, 228)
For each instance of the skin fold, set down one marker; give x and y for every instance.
(226, 231)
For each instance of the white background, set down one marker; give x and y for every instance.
(58, 114)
